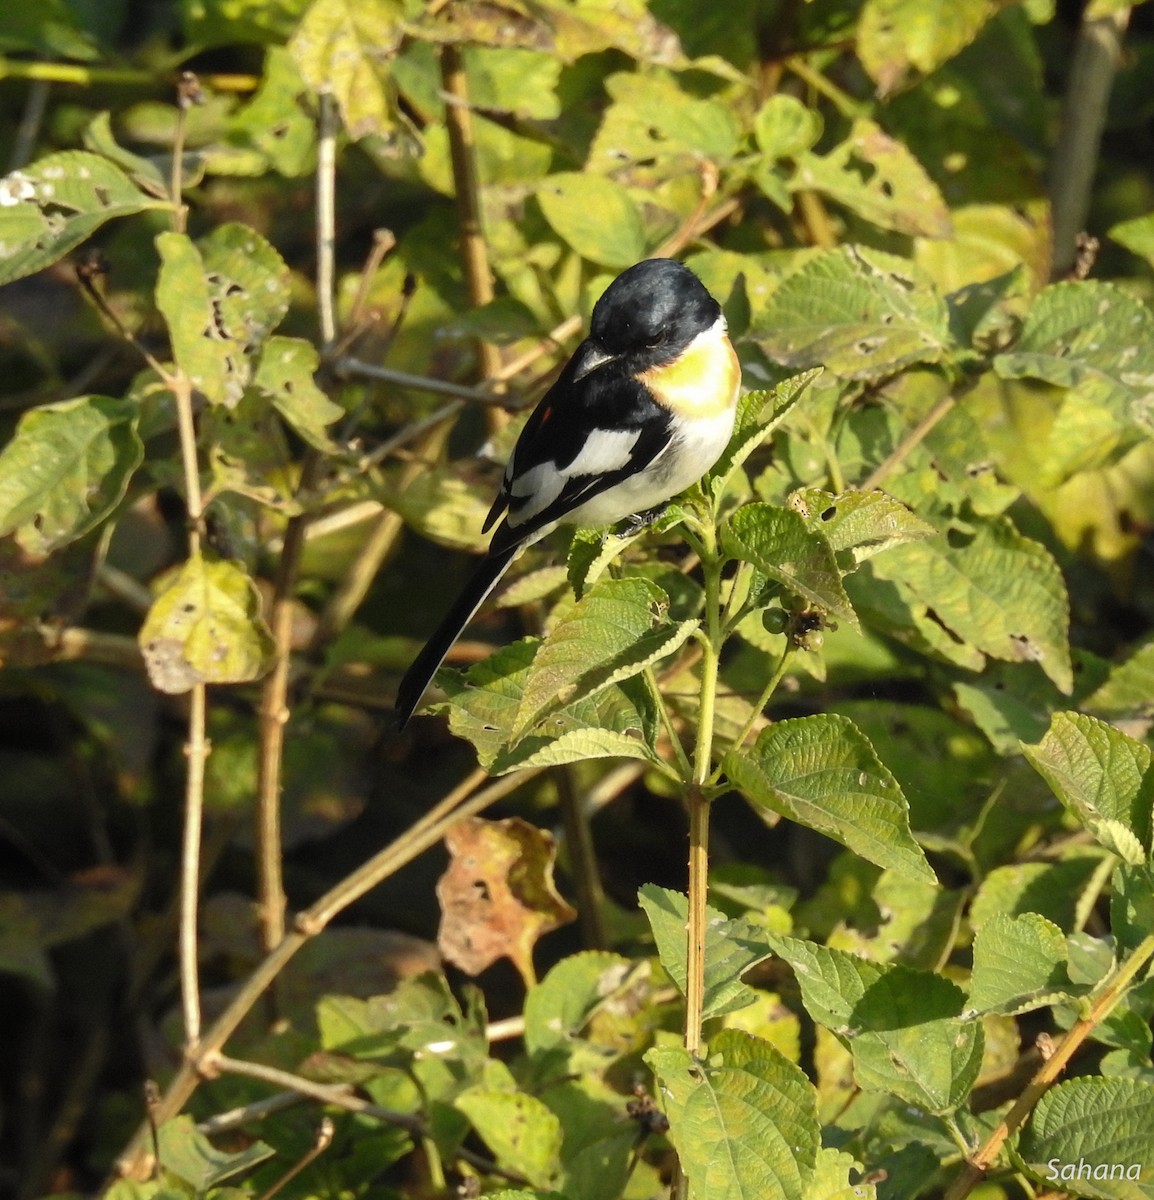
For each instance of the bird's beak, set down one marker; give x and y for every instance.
(588, 357)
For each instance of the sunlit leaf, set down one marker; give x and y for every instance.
(595, 216)
(1019, 964)
(524, 1135)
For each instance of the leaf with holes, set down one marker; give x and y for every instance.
(50, 207)
(205, 627)
(878, 178)
(860, 313)
(66, 469)
(286, 375)
(999, 594)
(861, 524)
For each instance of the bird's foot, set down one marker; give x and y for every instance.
(642, 520)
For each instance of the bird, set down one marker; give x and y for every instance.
(640, 412)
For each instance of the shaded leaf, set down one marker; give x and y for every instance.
(286, 374)
(744, 1121)
(497, 895)
(205, 627)
(190, 1156)
(50, 207)
(731, 948)
(66, 468)
(822, 772)
(860, 313)
(1019, 964)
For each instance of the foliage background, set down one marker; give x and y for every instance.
(757, 140)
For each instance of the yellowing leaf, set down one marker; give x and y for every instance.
(595, 216)
(66, 469)
(205, 627)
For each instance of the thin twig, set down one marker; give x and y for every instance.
(1102, 1005)
(421, 383)
(88, 77)
(324, 1140)
(582, 860)
(908, 444)
(31, 120)
(327, 125)
(339, 1097)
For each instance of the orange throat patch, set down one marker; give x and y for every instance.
(702, 382)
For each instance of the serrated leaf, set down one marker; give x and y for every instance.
(1019, 965)
(1059, 890)
(1001, 593)
(612, 633)
(1102, 776)
(831, 1178)
(66, 468)
(1095, 339)
(744, 1122)
(860, 313)
(286, 374)
(896, 35)
(902, 1026)
(758, 415)
(778, 542)
(862, 523)
(344, 47)
(1083, 1128)
(50, 207)
(731, 948)
(190, 1156)
(595, 216)
(523, 1134)
(822, 772)
(205, 627)
(878, 178)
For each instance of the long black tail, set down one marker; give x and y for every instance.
(420, 674)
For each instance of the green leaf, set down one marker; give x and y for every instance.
(1095, 339)
(274, 123)
(822, 772)
(190, 1156)
(744, 1121)
(50, 207)
(1062, 891)
(1128, 691)
(831, 1179)
(785, 128)
(1093, 1137)
(897, 36)
(286, 375)
(205, 627)
(731, 948)
(523, 1134)
(902, 1026)
(613, 632)
(1131, 904)
(66, 468)
(1019, 964)
(860, 313)
(557, 1008)
(595, 216)
(758, 415)
(1001, 593)
(1103, 777)
(778, 542)
(615, 722)
(879, 179)
(220, 301)
(1137, 235)
(861, 523)
(217, 22)
(344, 47)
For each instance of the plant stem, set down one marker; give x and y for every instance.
(582, 860)
(908, 444)
(1113, 991)
(327, 124)
(56, 72)
(764, 698)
